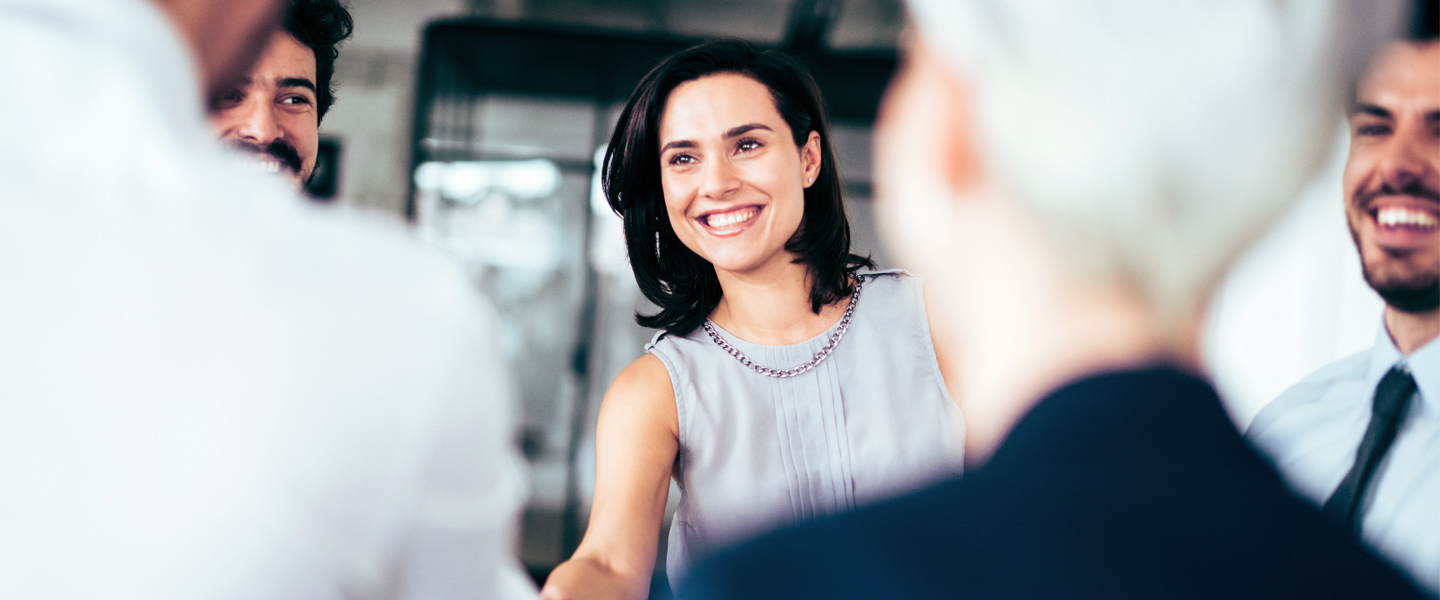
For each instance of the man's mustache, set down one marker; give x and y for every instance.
(1415, 188)
(285, 153)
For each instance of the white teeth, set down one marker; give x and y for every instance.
(1395, 216)
(260, 167)
(730, 218)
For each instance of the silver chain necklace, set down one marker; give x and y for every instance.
(809, 364)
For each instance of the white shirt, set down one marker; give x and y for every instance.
(208, 387)
(1312, 430)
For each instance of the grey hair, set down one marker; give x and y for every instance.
(1154, 140)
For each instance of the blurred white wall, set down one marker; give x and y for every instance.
(375, 77)
(376, 69)
(1294, 303)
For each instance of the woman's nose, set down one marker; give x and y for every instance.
(718, 179)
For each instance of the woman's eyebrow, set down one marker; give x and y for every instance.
(743, 129)
(730, 133)
(677, 144)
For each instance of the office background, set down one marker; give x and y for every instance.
(480, 122)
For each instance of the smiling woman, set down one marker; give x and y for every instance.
(733, 194)
(770, 99)
(775, 393)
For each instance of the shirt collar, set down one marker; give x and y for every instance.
(1424, 364)
(1105, 416)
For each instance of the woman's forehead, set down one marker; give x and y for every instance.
(709, 106)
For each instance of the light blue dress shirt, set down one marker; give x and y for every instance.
(1312, 430)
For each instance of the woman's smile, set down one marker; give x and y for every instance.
(731, 171)
(730, 221)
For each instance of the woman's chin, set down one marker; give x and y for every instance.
(748, 262)
(734, 265)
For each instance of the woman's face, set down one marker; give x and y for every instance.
(733, 179)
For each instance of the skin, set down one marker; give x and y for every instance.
(224, 37)
(1015, 323)
(276, 100)
(725, 147)
(725, 150)
(1394, 163)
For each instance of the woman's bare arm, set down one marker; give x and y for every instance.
(636, 440)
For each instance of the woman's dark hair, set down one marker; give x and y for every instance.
(1425, 21)
(672, 276)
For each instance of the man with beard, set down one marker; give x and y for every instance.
(1361, 436)
(274, 111)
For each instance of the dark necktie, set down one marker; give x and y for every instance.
(1391, 397)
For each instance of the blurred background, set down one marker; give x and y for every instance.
(480, 122)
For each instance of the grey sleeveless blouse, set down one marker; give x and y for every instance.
(757, 453)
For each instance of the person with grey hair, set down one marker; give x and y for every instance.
(1073, 178)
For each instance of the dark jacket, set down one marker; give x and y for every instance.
(1125, 485)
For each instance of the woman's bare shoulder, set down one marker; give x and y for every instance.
(646, 375)
(642, 392)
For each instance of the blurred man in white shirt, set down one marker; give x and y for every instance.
(208, 388)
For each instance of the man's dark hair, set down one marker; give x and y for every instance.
(1425, 21)
(672, 276)
(321, 25)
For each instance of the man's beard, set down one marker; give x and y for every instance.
(281, 151)
(1416, 294)
(1408, 296)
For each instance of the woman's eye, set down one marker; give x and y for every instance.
(748, 145)
(681, 159)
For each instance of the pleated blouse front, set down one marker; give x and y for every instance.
(872, 421)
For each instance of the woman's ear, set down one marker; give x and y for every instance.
(810, 158)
